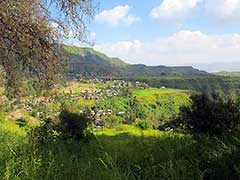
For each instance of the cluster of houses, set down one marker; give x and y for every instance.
(29, 104)
(95, 94)
(98, 115)
(142, 85)
(86, 74)
(113, 88)
(117, 83)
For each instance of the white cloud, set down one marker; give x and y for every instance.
(130, 19)
(183, 47)
(116, 15)
(173, 9)
(223, 10)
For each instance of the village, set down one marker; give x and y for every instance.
(97, 90)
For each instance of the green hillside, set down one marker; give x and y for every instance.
(206, 83)
(229, 74)
(87, 60)
(89, 55)
(153, 105)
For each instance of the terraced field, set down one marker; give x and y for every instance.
(157, 91)
(161, 104)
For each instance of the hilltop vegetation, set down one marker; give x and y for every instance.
(89, 55)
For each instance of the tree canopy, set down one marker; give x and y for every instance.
(31, 35)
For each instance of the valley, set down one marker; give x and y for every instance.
(119, 90)
(130, 135)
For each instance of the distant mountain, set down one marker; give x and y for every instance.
(228, 74)
(89, 55)
(140, 69)
(219, 66)
(87, 61)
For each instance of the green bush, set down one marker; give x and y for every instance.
(22, 122)
(74, 123)
(34, 113)
(113, 120)
(143, 124)
(210, 114)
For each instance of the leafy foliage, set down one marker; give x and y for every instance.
(30, 39)
(143, 124)
(210, 114)
(73, 122)
(21, 122)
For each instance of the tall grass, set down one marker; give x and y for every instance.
(122, 153)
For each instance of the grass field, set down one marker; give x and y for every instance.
(157, 91)
(121, 153)
(161, 104)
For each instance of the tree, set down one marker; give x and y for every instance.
(31, 36)
(72, 122)
(210, 114)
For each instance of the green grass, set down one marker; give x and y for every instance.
(10, 127)
(86, 103)
(11, 138)
(121, 153)
(131, 130)
(160, 104)
(156, 91)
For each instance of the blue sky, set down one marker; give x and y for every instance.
(170, 32)
(148, 28)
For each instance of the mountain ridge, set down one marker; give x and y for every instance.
(85, 60)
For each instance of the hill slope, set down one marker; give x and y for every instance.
(87, 61)
(228, 74)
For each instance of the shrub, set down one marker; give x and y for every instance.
(143, 124)
(34, 113)
(113, 120)
(210, 114)
(21, 122)
(73, 122)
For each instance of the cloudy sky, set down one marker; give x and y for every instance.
(168, 32)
